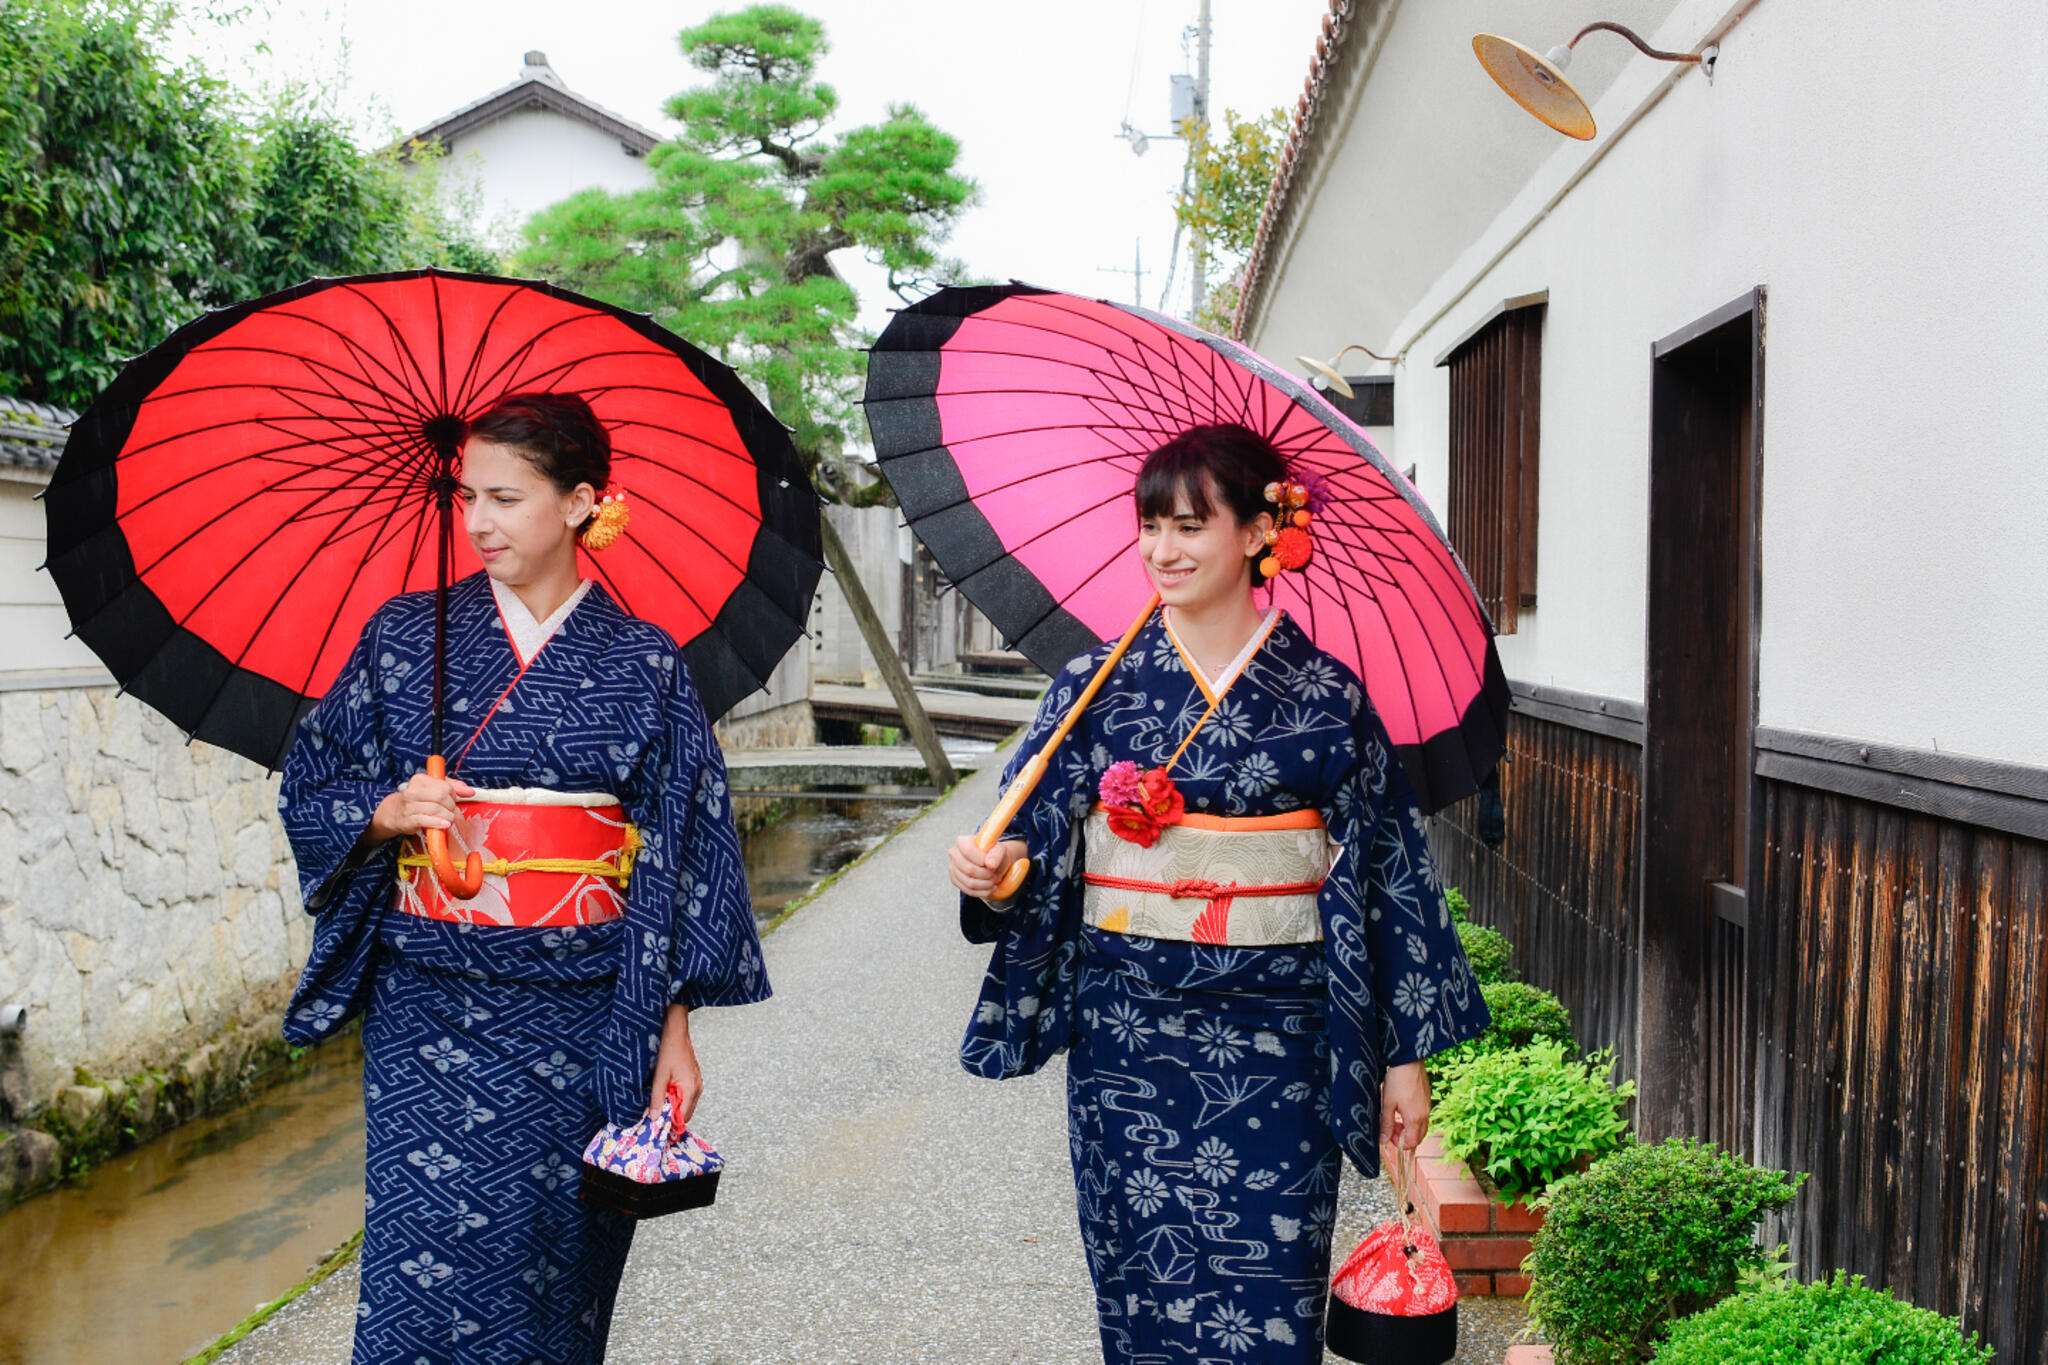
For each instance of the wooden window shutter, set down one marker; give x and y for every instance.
(1496, 402)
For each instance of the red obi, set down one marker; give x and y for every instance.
(549, 858)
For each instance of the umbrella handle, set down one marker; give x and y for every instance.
(1014, 797)
(1026, 780)
(466, 883)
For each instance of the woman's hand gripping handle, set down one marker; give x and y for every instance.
(986, 864)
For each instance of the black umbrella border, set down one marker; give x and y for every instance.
(153, 657)
(903, 420)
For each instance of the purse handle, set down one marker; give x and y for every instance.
(1401, 1175)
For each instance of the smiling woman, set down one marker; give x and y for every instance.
(1232, 926)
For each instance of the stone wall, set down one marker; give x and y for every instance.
(147, 900)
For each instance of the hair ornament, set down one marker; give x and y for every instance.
(1289, 540)
(609, 523)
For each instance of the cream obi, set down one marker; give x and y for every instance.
(1242, 881)
(549, 858)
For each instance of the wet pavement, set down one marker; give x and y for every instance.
(169, 1245)
(879, 1205)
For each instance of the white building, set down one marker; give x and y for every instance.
(530, 144)
(1732, 411)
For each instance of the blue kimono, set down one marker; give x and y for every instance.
(1212, 1089)
(494, 1053)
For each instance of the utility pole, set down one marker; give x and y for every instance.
(1198, 245)
(1136, 270)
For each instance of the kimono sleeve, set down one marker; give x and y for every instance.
(337, 772)
(714, 946)
(1024, 1015)
(1406, 958)
(339, 768)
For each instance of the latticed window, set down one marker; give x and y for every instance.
(1496, 399)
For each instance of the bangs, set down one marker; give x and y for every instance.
(1168, 484)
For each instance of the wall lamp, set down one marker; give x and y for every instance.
(1326, 370)
(1538, 83)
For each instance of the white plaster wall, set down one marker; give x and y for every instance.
(1888, 190)
(531, 158)
(32, 620)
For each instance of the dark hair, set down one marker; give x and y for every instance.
(1234, 460)
(557, 433)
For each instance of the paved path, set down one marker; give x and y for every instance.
(881, 1206)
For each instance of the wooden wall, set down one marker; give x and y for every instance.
(1896, 1012)
(1563, 887)
(1901, 980)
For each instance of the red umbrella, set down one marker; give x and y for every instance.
(1011, 423)
(233, 508)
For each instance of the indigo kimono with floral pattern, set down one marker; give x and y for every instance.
(1212, 1088)
(496, 1052)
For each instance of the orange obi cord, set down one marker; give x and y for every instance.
(549, 858)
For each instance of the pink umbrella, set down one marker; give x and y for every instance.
(1011, 423)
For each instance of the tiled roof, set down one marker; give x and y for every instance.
(1345, 22)
(32, 435)
(539, 87)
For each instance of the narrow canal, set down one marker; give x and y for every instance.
(160, 1251)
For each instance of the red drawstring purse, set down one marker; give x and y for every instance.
(1394, 1301)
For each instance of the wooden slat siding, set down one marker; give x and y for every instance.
(1903, 1036)
(2028, 869)
(1562, 887)
(1914, 1009)
(1495, 429)
(2012, 1309)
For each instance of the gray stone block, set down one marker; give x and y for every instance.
(82, 1107)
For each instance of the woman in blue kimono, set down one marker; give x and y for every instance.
(496, 1050)
(1233, 926)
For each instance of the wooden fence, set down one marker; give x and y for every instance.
(1895, 1016)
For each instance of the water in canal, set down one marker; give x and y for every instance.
(164, 1248)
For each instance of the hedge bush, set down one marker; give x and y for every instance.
(1647, 1236)
(1522, 1013)
(1834, 1322)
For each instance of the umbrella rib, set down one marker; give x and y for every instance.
(297, 574)
(299, 470)
(463, 390)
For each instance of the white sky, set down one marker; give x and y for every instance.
(1035, 93)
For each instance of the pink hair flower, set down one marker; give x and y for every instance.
(1119, 785)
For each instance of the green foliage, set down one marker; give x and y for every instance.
(1521, 1014)
(1526, 1117)
(1837, 1321)
(1224, 195)
(1458, 905)
(1647, 1236)
(135, 194)
(1487, 949)
(732, 245)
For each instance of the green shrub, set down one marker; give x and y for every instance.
(1834, 1322)
(1522, 1013)
(1455, 899)
(1487, 950)
(1647, 1236)
(1526, 1117)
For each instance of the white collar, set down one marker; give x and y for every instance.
(1216, 687)
(529, 636)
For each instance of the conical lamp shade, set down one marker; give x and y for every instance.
(1329, 373)
(1535, 84)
